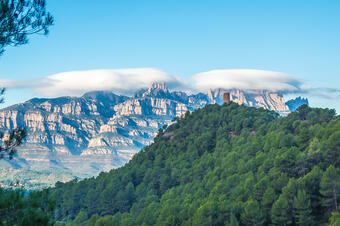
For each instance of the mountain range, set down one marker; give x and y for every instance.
(79, 137)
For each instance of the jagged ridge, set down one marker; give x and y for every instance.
(83, 136)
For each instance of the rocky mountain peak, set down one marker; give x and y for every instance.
(159, 86)
(157, 89)
(294, 104)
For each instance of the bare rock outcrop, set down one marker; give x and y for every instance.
(83, 136)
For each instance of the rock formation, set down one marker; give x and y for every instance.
(77, 137)
(262, 98)
(296, 103)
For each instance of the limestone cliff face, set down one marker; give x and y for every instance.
(151, 106)
(264, 99)
(82, 136)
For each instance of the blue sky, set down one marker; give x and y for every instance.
(184, 38)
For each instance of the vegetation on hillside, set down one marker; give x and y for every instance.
(220, 165)
(18, 208)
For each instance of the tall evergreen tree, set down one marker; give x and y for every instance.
(232, 221)
(331, 152)
(330, 188)
(253, 214)
(268, 198)
(81, 218)
(280, 212)
(20, 18)
(302, 209)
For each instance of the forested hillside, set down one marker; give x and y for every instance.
(220, 165)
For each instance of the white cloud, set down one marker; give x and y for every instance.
(5, 83)
(128, 81)
(246, 79)
(75, 83)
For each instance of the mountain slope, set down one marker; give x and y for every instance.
(218, 165)
(78, 137)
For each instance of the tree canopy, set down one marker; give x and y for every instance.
(21, 18)
(220, 165)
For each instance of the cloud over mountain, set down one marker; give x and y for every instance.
(246, 79)
(128, 81)
(75, 83)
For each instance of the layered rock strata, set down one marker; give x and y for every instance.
(78, 137)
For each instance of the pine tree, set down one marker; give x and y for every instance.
(253, 214)
(268, 198)
(302, 209)
(233, 220)
(20, 18)
(332, 149)
(330, 188)
(280, 212)
(92, 220)
(81, 218)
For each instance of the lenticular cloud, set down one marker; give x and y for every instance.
(122, 81)
(246, 79)
(128, 81)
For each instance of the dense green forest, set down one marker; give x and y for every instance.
(18, 208)
(220, 165)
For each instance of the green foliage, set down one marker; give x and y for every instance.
(81, 218)
(92, 220)
(16, 208)
(268, 198)
(281, 212)
(20, 18)
(253, 214)
(334, 220)
(219, 165)
(233, 221)
(302, 209)
(207, 214)
(105, 221)
(330, 188)
(332, 149)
